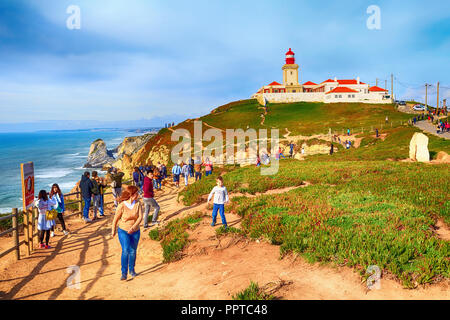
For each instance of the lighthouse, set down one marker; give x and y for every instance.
(290, 73)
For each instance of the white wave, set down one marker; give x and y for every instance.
(73, 154)
(53, 173)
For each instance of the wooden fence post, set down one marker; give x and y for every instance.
(25, 231)
(80, 204)
(16, 232)
(32, 227)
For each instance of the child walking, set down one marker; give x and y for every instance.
(44, 204)
(220, 198)
(57, 196)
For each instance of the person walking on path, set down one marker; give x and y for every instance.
(156, 178)
(116, 185)
(176, 171)
(97, 195)
(128, 218)
(137, 177)
(258, 161)
(86, 187)
(191, 167)
(149, 200)
(208, 167)
(198, 169)
(303, 151)
(331, 149)
(291, 149)
(57, 196)
(185, 173)
(280, 153)
(163, 171)
(220, 198)
(44, 225)
(376, 131)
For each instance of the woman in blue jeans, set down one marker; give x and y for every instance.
(128, 216)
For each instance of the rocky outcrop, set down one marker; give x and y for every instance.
(130, 145)
(98, 155)
(418, 148)
(442, 157)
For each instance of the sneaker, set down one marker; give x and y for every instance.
(66, 232)
(47, 247)
(123, 277)
(213, 224)
(133, 274)
(102, 215)
(52, 234)
(87, 220)
(155, 223)
(41, 246)
(146, 226)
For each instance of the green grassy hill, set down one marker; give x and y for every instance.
(361, 208)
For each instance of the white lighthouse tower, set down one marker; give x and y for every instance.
(290, 73)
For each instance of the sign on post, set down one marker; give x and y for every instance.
(27, 173)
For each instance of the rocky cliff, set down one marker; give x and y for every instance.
(98, 155)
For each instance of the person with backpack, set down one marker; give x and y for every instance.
(198, 168)
(45, 223)
(127, 220)
(185, 173)
(220, 198)
(97, 194)
(149, 200)
(57, 196)
(116, 185)
(86, 187)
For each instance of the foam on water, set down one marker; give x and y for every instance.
(52, 173)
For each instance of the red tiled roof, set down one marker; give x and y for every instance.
(275, 84)
(310, 83)
(341, 89)
(350, 81)
(375, 88)
(345, 81)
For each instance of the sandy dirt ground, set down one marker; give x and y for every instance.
(212, 267)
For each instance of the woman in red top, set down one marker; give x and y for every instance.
(208, 167)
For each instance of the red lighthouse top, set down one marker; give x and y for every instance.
(290, 57)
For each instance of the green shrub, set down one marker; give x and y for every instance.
(252, 292)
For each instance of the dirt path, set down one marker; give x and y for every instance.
(213, 268)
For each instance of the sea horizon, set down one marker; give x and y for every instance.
(58, 158)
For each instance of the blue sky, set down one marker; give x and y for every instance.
(136, 59)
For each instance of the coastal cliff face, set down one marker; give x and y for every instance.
(98, 155)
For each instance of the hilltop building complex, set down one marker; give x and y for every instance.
(328, 91)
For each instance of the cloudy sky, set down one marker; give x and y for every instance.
(139, 59)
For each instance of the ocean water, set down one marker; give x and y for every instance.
(58, 157)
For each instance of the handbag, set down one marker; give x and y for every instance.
(51, 215)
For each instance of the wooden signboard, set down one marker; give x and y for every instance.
(27, 175)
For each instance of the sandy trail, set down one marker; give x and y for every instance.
(212, 268)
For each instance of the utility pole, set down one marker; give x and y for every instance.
(376, 82)
(385, 84)
(392, 86)
(437, 94)
(426, 95)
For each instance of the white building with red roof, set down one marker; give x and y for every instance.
(328, 91)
